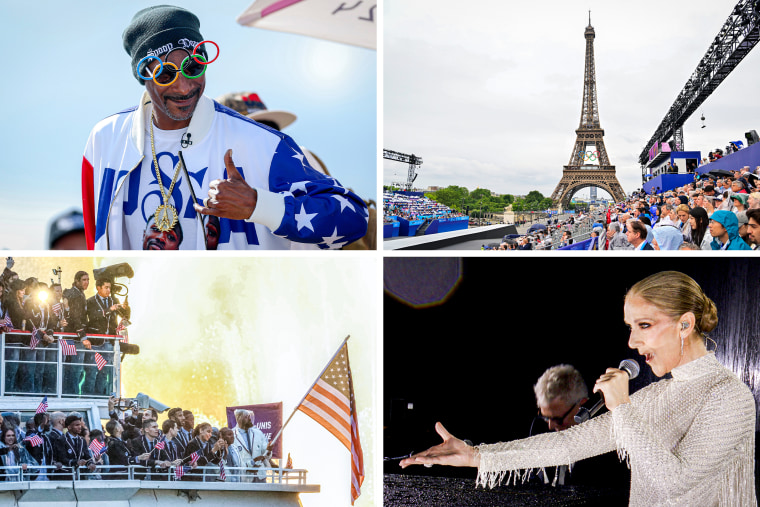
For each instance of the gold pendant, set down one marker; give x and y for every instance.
(165, 217)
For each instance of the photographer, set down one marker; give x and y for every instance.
(132, 424)
(76, 322)
(102, 313)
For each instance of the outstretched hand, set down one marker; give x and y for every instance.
(452, 452)
(231, 198)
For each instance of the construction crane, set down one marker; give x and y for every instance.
(414, 163)
(739, 34)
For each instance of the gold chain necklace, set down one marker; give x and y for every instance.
(166, 216)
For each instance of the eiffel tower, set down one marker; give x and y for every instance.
(577, 174)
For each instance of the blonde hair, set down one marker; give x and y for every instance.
(675, 294)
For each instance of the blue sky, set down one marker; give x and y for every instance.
(70, 70)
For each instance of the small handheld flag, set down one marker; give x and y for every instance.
(34, 440)
(96, 446)
(68, 348)
(34, 341)
(43, 406)
(100, 361)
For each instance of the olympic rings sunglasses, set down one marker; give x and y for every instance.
(192, 67)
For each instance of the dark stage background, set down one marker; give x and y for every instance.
(471, 361)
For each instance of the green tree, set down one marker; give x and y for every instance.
(534, 195)
(480, 193)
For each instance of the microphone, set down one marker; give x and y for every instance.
(629, 366)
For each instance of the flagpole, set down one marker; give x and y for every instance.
(309, 390)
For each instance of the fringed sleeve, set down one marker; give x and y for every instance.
(516, 460)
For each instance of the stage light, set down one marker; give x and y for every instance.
(421, 282)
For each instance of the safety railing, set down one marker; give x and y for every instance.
(64, 367)
(32, 472)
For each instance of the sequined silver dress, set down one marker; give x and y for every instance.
(689, 440)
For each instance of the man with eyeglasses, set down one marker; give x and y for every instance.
(560, 393)
(179, 155)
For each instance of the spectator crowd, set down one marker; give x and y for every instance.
(714, 212)
(411, 207)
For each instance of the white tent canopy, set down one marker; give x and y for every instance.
(350, 22)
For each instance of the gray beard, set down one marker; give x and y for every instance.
(185, 115)
(179, 118)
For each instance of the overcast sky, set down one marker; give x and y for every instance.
(70, 71)
(489, 92)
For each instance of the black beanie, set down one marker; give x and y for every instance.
(158, 30)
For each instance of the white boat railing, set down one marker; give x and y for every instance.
(45, 370)
(21, 473)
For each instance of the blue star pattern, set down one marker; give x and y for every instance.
(318, 209)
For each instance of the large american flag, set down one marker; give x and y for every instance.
(43, 406)
(331, 403)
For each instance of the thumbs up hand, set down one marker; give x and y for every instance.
(231, 198)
